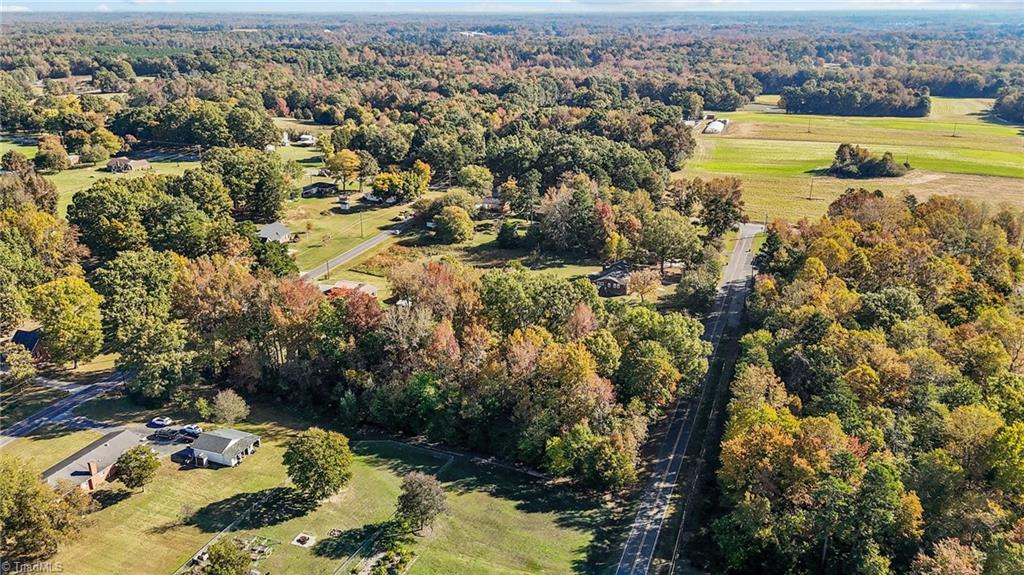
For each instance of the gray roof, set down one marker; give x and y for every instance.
(104, 452)
(274, 232)
(227, 442)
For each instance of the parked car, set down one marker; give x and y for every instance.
(161, 421)
(165, 433)
(191, 430)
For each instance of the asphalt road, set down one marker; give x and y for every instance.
(343, 258)
(727, 312)
(59, 410)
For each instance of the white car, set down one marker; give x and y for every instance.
(161, 421)
(192, 430)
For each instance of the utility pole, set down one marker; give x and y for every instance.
(810, 191)
(361, 224)
(808, 125)
(955, 125)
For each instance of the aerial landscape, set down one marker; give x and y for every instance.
(542, 286)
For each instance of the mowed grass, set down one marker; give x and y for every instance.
(18, 403)
(500, 521)
(778, 155)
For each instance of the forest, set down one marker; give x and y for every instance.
(875, 419)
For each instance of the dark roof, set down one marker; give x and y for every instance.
(227, 442)
(616, 272)
(320, 186)
(27, 339)
(104, 451)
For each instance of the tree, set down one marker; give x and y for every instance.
(421, 501)
(17, 367)
(368, 167)
(69, 311)
(721, 205)
(342, 165)
(477, 179)
(670, 236)
(34, 517)
(644, 283)
(949, 557)
(258, 181)
(454, 225)
(226, 558)
(229, 407)
(319, 462)
(135, 467)
(647, 373)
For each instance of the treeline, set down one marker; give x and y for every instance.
(888, 98)
(1010, 104)
(876, 418)
(857, 162)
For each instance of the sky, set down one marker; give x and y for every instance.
(494, 6)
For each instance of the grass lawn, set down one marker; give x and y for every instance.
(49, 444)
(500, 521)
(17, 404)
(777, 155)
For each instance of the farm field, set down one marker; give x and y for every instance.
(777, 157)
(501, 521)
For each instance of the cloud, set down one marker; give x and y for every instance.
(103, 8)
(10, 8)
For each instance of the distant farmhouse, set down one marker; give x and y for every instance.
(120, 165)
(612, 280)
(275, 232)
(226, 447)
(89, 466)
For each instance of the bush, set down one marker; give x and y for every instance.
(508, 235)
(454, 225)
(857, 162)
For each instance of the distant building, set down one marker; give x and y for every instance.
(317, 189)
(342, 286)
(89, 466)
(32, 341)
(612, 280)
(306, 140)
(716, 127)
(123, 164)
(226, 447)
(275, 232)
(493, 204)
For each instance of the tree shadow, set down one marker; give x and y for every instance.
(346, 543)
(254, 510)
(990, 117)
(110, 497)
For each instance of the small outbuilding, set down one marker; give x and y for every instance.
(32, 341)
(89, 466)
(612, 280)
(716, 127)
(306, 140)
(494, 204)
(342, 286)
(227, 447)
(123, 164)
(275, 232)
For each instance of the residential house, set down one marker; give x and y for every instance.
(123, 164)
(306, 140)
(612, 280)
(275, 232)
(493, 204)
(32, 341)
(319, 189)
(88, 467)
(227, 447)
(342, 286)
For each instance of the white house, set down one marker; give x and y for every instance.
(716, 127)
(224, 447)
(306, 140)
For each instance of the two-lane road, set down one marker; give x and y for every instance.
(347, 256)
(726, 313)
(59, 409)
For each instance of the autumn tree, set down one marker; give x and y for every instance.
(135, 467)
(229, 407)
(422, 500)
(69, 311)
(342, 165)
(319, 462)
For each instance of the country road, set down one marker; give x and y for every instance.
(726, 313)
(59, 409)
(345, 257)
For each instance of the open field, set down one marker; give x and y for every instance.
(777, 155)
(501, 521)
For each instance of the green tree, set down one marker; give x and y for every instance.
(606, 351)
(319, 462)
(669, 236)
(69, 311)
(421, 501)
(35, 519)
(229, 407)
(647, 373)
(226, 558)
(477, 179)
(258, 181)
(155, 353)
(454, 225)
(135, 467)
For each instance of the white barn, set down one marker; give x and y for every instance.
(226, 447)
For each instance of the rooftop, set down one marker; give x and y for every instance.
(104, 452)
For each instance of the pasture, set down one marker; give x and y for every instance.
(958, 149)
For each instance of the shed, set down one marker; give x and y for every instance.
(30, 340)
(124, 164)
(275, 232)
(612, 280)
(226, 447)
(89, 466)
(716, 127)
(317, 189)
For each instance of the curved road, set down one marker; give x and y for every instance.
(727, 312)
(59, 409)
